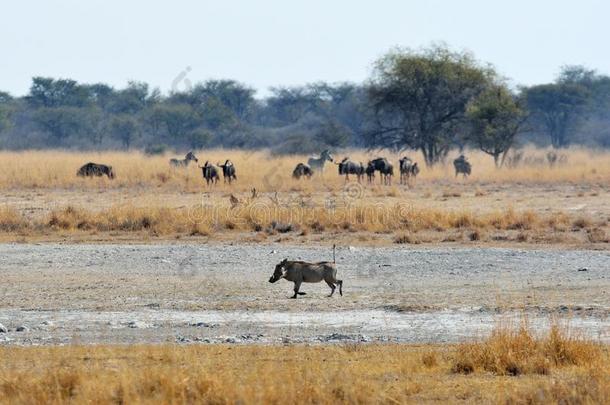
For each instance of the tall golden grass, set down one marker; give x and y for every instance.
(268, 217)
(57, 169)
(564, 370)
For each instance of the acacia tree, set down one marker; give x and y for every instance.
(495, 119)
(419, 98)
(556, 108)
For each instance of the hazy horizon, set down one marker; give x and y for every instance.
(273, 43)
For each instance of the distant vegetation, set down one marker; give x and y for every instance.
(432, 100)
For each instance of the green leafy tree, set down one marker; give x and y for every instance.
(125, 128)
(333, 134)
(419, 98)
(199, 138)
(130, 100)
(62, 122)
(179, 119)
(495, 119)
(5, 100)
(217, 116)
(48, 92)
(556, 109)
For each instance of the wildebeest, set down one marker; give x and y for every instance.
(228, 171)
(183, 162)
(210, 173)
(462, 165)
(385, 168)
(347, 167)
(408, 169)
(370, 172)
(317, 163)
(95, 169)
(302, 272)
(302, 170)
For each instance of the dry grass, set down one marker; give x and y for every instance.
(57, 169)
(555, 368)
(516, 351)
(271, 218)
(44, 198)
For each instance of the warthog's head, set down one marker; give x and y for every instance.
(279, 272)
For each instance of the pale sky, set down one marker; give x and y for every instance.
(281, 42)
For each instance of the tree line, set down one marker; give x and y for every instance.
(431, 100)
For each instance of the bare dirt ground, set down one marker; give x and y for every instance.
(56, 293)
(588, 201)
(480, 197)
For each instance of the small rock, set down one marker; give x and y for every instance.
(337, 336)
(3, 329)
(231, 340)
(352, 249)
(47, 323)
(583, 269)
(22, 328)
(202, 325)
(138, 325)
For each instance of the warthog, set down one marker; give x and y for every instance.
(302, 272)
(317, 163)
(95, 169)
(210, 173)
(408, 169)
(347, 167)
(183, 162)
(385, 168)
(462, 165)
(228, 171)
(302, 170)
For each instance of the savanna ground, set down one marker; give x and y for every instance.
(533, 202)
(533, 205)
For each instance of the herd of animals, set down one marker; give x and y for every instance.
(408, 169)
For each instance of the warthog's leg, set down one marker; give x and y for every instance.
(332, 287)
(297, 285)
(340, 282)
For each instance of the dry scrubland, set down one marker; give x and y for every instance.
(533, 202)
(511, 366)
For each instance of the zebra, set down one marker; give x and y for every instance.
(317, 163)
(183, 162)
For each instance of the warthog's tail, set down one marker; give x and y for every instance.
(334, 248)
